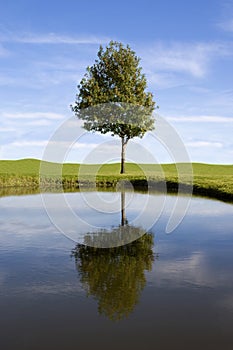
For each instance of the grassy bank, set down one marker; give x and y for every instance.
(209, 180)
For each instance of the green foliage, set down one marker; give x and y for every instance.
(113, 98)
(120, 119)
(115, 77)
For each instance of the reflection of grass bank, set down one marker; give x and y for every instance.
(209, 180)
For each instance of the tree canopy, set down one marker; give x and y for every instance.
(115, 89)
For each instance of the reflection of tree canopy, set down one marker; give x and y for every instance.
(118, 236)
(115, 276)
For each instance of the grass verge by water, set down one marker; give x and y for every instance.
(208, 179)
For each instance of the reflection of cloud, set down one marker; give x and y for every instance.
(41, 287)
(20, 230)
(28, 211)
(193, 269)
(49, 287)
(200, 207)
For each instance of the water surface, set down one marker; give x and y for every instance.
(160, 291)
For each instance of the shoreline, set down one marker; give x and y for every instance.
(28, 184)
(208, 180)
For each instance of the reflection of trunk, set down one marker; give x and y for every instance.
(123, 148)
(123, 216)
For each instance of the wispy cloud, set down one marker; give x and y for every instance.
(61, 144)
(198, 144)
(201, 119)
(3, 51)
(52, 38)
(40, 122)
(7, 129)
(192, 59)
(33, 115)
(29, 143)
(226, 25)
(162, 80)
(6, 80)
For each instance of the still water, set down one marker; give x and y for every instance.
(159, 292)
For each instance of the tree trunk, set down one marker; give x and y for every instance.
(123, 148)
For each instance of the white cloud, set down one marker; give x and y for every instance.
(227, 25)
(63, 144)
(40, 78)
(197, 144)
(33, 115)
(162, 80)
(52, 38)
(68, 145)
(7, 129)
(29, 143)
(41, 122)
(193, 59)
(6, 80)
(201, 119)
(3, 51)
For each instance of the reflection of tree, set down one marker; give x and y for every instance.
(115, 276)
(123, 216)
(17, 191)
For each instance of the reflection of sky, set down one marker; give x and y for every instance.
(197, 256)
(26, 216)
(198, 252)
(192, 275)
(206, 230)
(75, 214)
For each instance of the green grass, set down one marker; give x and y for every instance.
(210, 180)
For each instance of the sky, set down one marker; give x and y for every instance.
(186, 51)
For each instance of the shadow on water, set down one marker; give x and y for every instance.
(115, 276)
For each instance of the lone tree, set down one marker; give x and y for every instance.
(114, 89)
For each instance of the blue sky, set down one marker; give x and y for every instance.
(186, 50)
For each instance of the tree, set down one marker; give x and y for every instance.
(115, 89)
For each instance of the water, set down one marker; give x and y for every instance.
(161, 291)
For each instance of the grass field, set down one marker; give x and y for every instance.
(210, 180)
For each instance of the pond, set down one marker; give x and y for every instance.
(165, 291)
